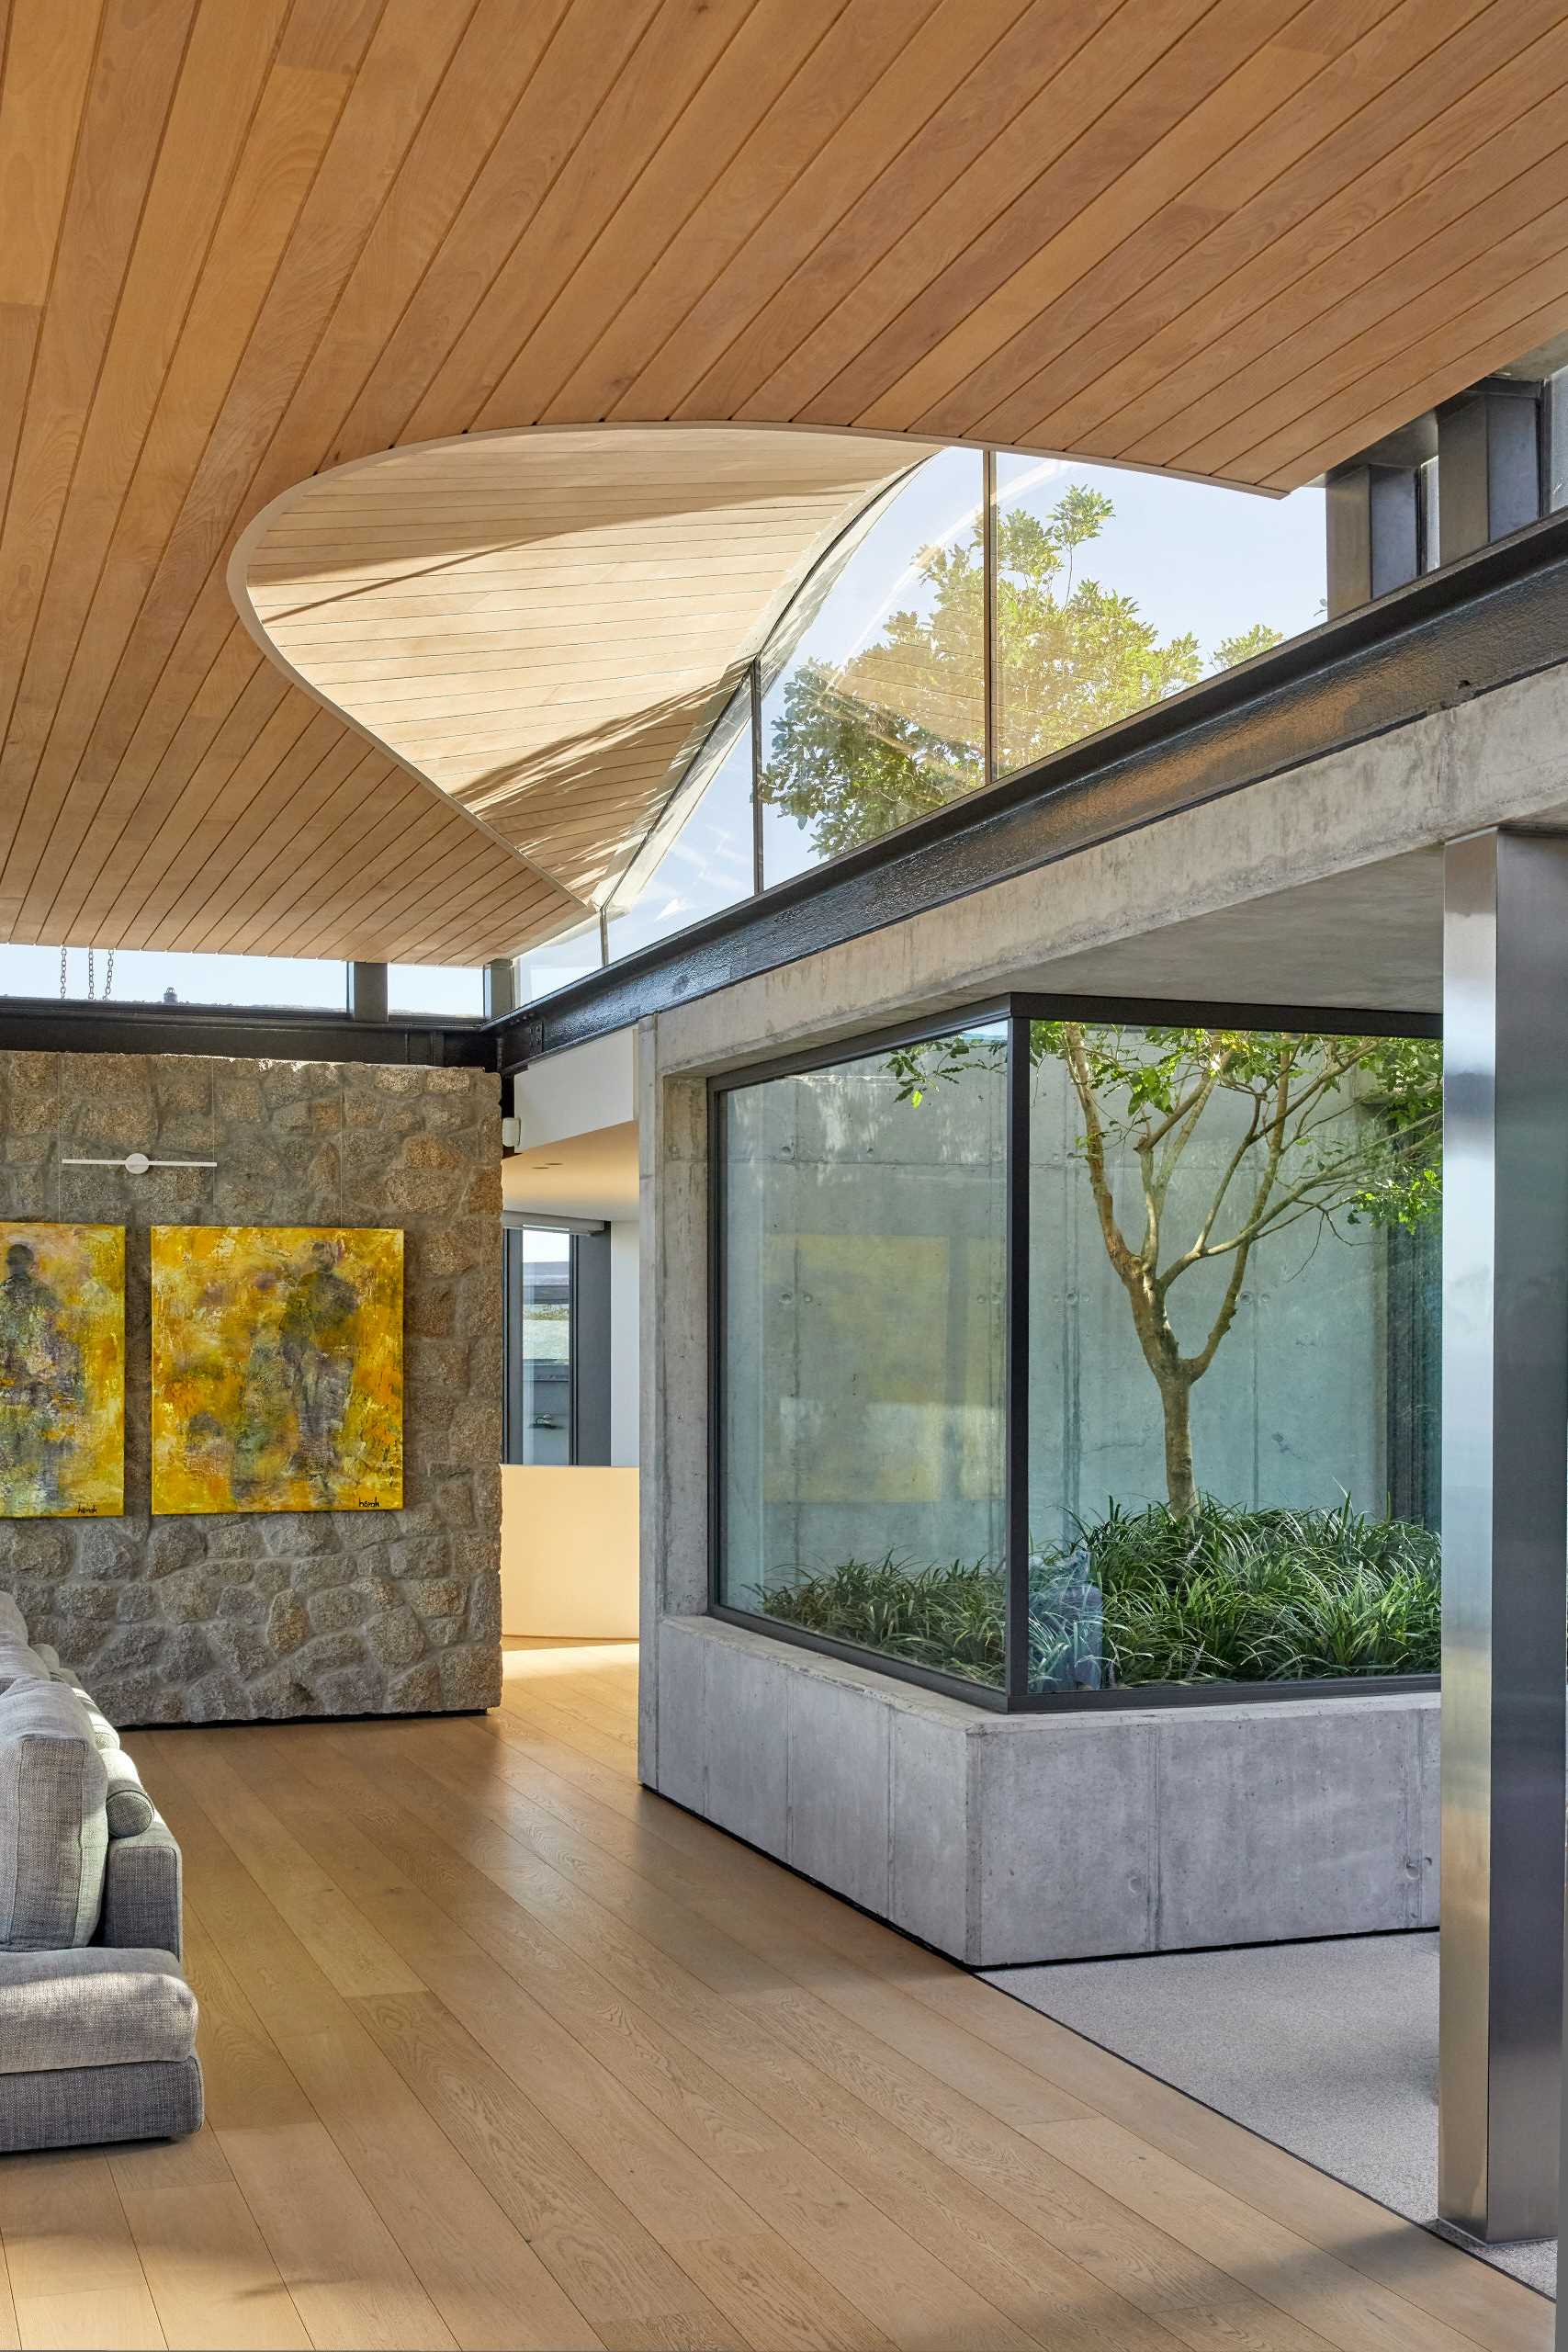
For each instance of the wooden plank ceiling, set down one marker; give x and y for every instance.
(548, 624)
(246, 241)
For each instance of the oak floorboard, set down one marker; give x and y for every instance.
(502, 2048)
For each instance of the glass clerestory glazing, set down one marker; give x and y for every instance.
(1069, 1358)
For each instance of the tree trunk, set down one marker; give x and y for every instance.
(1175, 1399)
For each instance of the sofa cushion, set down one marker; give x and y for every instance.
(53, 1822)
(128, 1805)
(104, 1732)
(13, 1625)
(92, 2008)
(20, 1664)
(50, 1655)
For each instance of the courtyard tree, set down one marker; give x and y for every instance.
(1321, 1130)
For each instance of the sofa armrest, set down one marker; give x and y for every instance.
(141, 1892)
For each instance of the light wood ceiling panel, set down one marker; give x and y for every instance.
(548, 624)
(243, 243)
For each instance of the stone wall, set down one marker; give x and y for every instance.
(255, 1614)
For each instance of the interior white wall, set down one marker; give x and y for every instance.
(572, 1093)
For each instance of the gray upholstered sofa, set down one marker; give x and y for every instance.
(97, 2025)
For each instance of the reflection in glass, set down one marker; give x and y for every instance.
(1232, 1475)
(1114, 589)
(705, 861)
(876, 714)
(546, 1347)
(570, 956)
(864, 1311)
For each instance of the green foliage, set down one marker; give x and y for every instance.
(897, 731)
(1220, 1595)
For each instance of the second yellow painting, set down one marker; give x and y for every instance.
(277, 1368)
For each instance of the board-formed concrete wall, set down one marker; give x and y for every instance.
(1006, 1839)
(258, 1614)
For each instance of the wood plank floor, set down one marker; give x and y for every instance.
(502, 2050)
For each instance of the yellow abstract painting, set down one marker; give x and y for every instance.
(277, 1368)
(62, 1371)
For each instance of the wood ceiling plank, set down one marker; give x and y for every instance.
(1186, 189)
(382, 873)
(192, 837)
(165, 884)
(268, 839)
(186, 613)
(294, 887)
(1395, 141)
(1062, 150)
(251, 844)
(48, 56)
(1465, 163)
(48, 59)
(209, 115)
(1374, 321)
(922, 114)
(994, 348)
(669, 69)
(1481, 337)
(575, 82)
(289, 133)
(1203, 232)
(836, 299)
(633, 372)
(718, 122)
(125, 108)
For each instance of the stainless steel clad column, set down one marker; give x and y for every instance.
(1504, 1528)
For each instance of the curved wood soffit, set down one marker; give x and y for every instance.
(546, 625)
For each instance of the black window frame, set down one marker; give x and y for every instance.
(1017, 1008)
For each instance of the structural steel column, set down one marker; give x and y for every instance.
(1504, 1528)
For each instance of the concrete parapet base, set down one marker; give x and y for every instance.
(1003, 1840)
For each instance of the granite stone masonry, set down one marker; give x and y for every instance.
(261, 1614)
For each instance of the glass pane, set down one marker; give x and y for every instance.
(1115, 588)
(862, 1415)
(1234, 1337)
(546, 1347)
(877, 715)
(559, 962)
(456, 989)
(707, 864)
(140, 976)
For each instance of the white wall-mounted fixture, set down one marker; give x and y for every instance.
(136, 1163)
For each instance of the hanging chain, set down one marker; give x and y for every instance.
(108, 974)
(90, 991)
(63, 955)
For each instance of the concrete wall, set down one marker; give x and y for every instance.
(1008, 1840)
(248, 1614)
(568, 1553)
(1101, 917)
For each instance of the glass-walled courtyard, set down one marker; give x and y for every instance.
(1065, 1356)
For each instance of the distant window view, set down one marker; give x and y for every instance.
(1112, 590)
(546, 1347)
(457, 991)
(140, 976)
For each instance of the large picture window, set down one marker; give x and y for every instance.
(1065, 1356)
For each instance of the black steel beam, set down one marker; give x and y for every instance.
(43, 1025)
(1498, 615)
